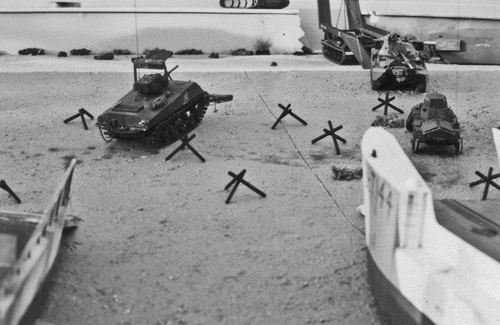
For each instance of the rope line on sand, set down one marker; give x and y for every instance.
(361, 231)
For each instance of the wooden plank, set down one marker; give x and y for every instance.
(70, 221)
(8, 243)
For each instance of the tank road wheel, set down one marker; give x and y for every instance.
(105, 135)
(196, 113)
(459, 146)
(180, 124)
(172, 135)
(338, 57)
(156, 135)
(414, 145)
(409, 121)
(333, 50)
(326, 51)
(174, 130)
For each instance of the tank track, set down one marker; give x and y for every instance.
(171, 129)
(337, 54)
(255, 4)
(335, 50)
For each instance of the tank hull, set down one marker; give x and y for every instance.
(157, 117)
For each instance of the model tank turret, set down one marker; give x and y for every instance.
(434, 123)
(397, 64)
(158, 108)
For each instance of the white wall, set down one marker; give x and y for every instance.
(106, 29)
(308, 12)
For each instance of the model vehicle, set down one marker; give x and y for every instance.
(351, 44)
(434, 123)
(429, 261)
(397, 64)
(29, 245)
(465, 45)
(256, 4)
(468, 45)
(158, 108)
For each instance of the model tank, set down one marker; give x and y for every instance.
(158, 108)
(255, 4)
(398, 64)
(434, 123)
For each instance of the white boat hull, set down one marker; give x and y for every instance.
(425, 268)
(22, 273)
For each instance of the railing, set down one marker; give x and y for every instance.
(28, 273)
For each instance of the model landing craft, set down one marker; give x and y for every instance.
(434, 123)
(28, 246)
(468, 46)
(394, 63)
(158, 108)
(429, 262)
(255, 4)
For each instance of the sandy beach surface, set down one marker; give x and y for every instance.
(158, 244)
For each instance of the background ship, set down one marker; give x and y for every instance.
(468, 46)
(255, 4)
(474, 42)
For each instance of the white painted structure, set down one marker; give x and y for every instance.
(432, 272)
(102, 25)
(105, 29)
(23, 273)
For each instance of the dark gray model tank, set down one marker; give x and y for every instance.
(255, 4)
(397, 64)
(158, 108)
(434, 123)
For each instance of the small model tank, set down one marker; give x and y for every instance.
(398, 64)
(434, 123)
(255, 4)
(158, 108)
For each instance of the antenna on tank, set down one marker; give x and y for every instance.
(456, 68)
(136, 33)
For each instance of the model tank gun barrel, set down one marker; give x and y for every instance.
(217, 99)
(407, 61)
(172, 70)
